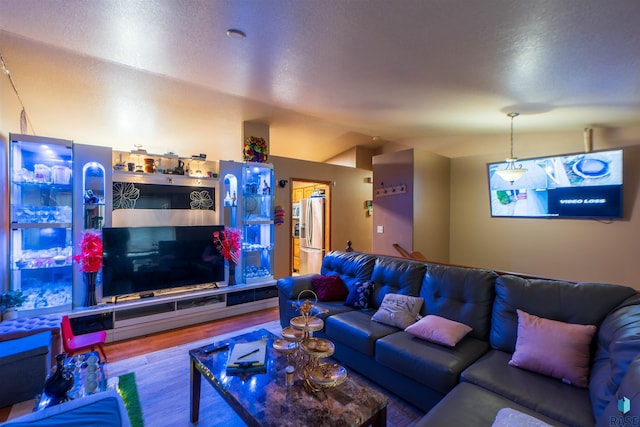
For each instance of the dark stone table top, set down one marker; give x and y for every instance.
(264, 398)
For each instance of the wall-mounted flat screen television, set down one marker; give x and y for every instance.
(583, 185)
(140, 260)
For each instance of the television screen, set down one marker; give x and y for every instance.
(585, 185)
(146, 259)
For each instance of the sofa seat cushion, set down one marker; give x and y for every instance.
(545, 395)
(325, 309)
(435, 365)
(470, 405)
(356, 330)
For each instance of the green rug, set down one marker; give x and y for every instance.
(129, 392)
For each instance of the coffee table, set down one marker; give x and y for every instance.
(265, 399)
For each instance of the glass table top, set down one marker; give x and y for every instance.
(263, 398)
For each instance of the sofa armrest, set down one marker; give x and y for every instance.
(290, 287)
(104, 409)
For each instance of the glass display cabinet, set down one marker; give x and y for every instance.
(257, 222)
(41, 230)
(247, 198)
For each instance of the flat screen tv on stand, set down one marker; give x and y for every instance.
(147, 261)
(582, 185)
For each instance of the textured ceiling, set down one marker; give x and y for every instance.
(416, 72)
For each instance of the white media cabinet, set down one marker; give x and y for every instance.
(141, 316)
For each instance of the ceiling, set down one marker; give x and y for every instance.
(421, 73)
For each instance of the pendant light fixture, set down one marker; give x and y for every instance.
(512, 172)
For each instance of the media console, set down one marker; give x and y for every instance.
(142, 316)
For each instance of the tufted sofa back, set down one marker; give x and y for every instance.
(580, 303)
(618, 343)
(352, 267)
(461, 294)
(397, 276)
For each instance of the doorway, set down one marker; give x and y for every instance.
(307, 252)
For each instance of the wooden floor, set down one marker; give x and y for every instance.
(125, 349)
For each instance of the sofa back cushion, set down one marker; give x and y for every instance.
(395, 276)
(581, 303)
(618, 345)
(352, 267)
(623, 409)
(461, 294)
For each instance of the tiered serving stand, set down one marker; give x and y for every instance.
(304, 351)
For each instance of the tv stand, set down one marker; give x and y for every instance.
(140, 315)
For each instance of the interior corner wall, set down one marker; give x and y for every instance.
(393, 215)
(349, 219)
(346, 158)
(431, 205)
(569, 249)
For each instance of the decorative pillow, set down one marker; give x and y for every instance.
(360, 295)
(329, 288)
(398, 310)
(439, 330)
(549, 347)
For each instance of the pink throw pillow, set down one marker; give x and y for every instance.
(329, 288)
(439, 330)
(549, 347)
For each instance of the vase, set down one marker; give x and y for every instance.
(90, 284)
(10, 313)
(232, 274)
(58, 384)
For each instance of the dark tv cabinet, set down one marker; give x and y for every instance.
(143, 316)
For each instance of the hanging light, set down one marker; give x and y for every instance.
(512, 172)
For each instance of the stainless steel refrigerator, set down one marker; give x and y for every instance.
(311, 234)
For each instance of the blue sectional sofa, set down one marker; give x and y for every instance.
(469, 383)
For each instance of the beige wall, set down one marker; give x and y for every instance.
(349, 217)
(576, 250)
(431, 205)
(356, 157)
(417, 220)
(394, 213)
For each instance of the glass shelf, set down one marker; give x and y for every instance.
(41, 237)
(257, 222)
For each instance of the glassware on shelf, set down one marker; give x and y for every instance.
(41, 213)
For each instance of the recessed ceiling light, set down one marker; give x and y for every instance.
(236, 34)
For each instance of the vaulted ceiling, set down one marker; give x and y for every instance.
(330, 74)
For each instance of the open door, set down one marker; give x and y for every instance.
(310, 225)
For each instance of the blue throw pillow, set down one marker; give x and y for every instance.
(360, 295)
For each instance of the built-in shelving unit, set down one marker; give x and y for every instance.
(143, 316)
